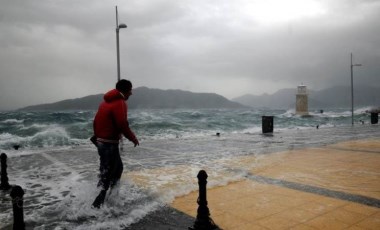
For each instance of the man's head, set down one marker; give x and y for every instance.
(124, 87)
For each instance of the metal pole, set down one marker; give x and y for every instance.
(118, 62)
(118, 26)
(117, 46)
(352, 89)
(352, 93)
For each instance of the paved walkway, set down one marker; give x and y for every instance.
(332, 187)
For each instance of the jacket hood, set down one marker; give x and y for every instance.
(113, 95)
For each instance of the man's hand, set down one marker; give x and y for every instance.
(136, 142)
(93, 140)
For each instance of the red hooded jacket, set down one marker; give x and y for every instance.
(111, 120)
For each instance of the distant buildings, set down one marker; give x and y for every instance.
(302, 107)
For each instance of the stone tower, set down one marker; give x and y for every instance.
(302, 101)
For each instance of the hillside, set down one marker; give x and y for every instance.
(146, 98)
(334, 97)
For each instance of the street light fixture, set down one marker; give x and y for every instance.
(118, 27)
(352, 89)
(122, 25)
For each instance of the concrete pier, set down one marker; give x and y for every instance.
(313, 188)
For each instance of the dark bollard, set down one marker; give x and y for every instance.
(267, 124)
(374, 118)
(4, 185)
(203, 221)
(17, 194)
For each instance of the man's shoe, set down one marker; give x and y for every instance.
(99, 199)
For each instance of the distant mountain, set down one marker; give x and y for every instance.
(334, 97)
(85, 103)
(146, 98)
(281, 99)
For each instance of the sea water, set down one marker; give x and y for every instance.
(57, 165)
(38, 130)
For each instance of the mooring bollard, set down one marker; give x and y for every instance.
(4, 185)
(17, 194)
(267, 124)
(374, 118)
(203, 220)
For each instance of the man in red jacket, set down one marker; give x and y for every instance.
(110, 123)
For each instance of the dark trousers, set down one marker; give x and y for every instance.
(111, 166)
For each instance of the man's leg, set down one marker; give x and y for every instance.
(105, 154)
(99, 200)
(117, 169)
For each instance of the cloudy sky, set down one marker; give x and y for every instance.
(52, 50)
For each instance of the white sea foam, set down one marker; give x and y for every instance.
(34, 125)
(50, 136)
(363, 109)
(252, 130)
(289, 113)
(334, 114)
(74, 210)
(12, 121)
(50, 133)
(6, 138)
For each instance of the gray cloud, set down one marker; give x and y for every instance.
(54, 50)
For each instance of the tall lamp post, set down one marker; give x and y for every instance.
(352, 89)
(118, 27)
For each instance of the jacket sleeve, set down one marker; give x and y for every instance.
(121, 119)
